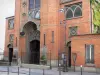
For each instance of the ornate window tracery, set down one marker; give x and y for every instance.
(73, 11)
(34, 9)
(73, 30)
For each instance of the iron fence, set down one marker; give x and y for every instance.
(40, 58)
(44, 59)
(9, 70)
(37, 58)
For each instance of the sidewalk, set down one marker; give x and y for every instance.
(25, 71)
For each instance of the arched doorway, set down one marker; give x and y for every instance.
(35, 52)
(32, 43)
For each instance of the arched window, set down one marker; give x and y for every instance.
(78, 12)
(74, 10)
(69, 14)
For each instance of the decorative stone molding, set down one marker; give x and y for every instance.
(63, 1)
(24, 4)
(34, 35)
(23, 14)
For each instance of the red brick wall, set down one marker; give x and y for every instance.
(7, 34)
(16, 29)
(82, 22)
(78, 46)
(50, 21)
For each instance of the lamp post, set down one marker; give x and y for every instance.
(65, 69)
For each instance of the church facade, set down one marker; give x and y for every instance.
(54, 26)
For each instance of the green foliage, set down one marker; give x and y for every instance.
(95, 29)
(95, 4)
(43, 57)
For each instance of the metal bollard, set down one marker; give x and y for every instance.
(43, 71)
(18, 70)
(29, 71)
(81, 69)
(8, 70)
(59, 69)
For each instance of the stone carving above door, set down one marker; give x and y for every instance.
(34, 35)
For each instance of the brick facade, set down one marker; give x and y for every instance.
(7, 35)
(50, 18)
(78, 46)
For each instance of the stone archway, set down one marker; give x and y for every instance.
(31, 34)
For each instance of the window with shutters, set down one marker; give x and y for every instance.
(89, 54)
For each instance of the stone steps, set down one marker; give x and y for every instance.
(34, 66)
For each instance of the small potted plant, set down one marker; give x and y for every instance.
(43, 59)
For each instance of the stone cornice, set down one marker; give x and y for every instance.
(64, 1)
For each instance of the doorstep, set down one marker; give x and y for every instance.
(34, 66)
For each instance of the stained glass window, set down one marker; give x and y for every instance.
(78, 12)
(69, 13)
(73, 7)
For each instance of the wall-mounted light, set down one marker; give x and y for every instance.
(61, 10)
(22, 33)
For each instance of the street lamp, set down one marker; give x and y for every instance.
(65, 69)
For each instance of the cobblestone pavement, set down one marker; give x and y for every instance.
(24, 71)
